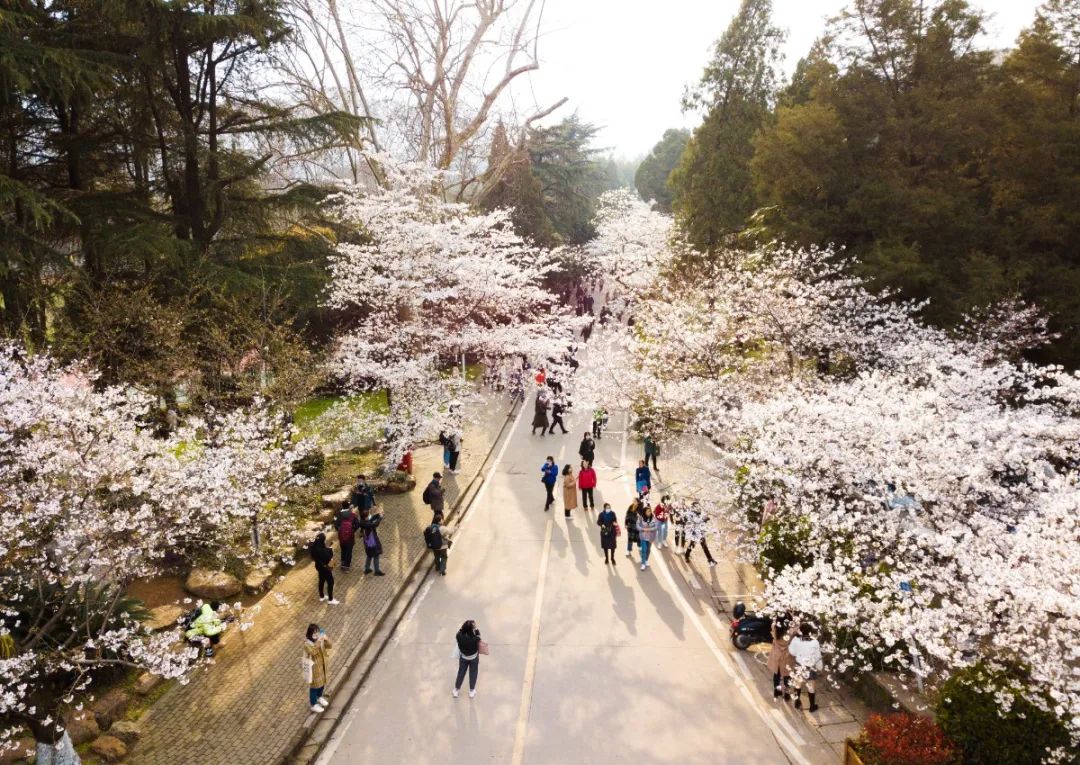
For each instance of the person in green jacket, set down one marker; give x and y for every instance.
(206, 628)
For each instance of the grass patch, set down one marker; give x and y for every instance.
(370, 402)
(342, 468)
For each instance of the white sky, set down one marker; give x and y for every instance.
(624, 63)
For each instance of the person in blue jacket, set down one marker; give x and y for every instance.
(643, 478)
(549, 475)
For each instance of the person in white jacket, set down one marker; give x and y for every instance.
(806, 651)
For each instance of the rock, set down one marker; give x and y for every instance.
(164, 617)
(82, 727)
(258, 580)
(146, 683)
(397, 482)
(109, 748)
(306, 533)
(127, 731)
(333, 501)
(110, 707)
(212, 585)
(23, 749)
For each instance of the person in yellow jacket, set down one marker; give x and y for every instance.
(316, 666)
(206, 628)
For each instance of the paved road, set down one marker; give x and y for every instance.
(588, 664)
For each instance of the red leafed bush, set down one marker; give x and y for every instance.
(905, 739)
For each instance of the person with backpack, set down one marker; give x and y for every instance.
(549, 474)
(587, 449)
(369, 525)
(346, 524)
(437, 539)
(433, 494)
(316, 666)
(469, 646)
(558, 408)
(609, 530)
(642, 478)
(204, 627)
(323, 556)
(454, 442)
(587, 483)
(362, 497)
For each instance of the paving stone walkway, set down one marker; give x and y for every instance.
(248, 707)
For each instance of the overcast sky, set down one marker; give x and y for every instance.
(624, 63)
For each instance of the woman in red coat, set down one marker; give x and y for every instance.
(586, 481)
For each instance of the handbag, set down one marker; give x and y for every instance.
(618, 529)
(483, 648)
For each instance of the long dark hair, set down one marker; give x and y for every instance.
(469, 627)
(318, 544)
(311, 630)
(567, 469)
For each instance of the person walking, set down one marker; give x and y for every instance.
(369, 526)
(646, 525)
(469, 646)
(806, 652)
(642, 478)
(587, 483)
(697, 529)
(346, 523)
(444, 440)
(454, 443)
(608, 523)
(598, 422)
(540, 413)
(549, 474)
(660, 512)
(587, 449)
(316, 646)
(437, 539)
(433, 494)
(569, 489)
(780, 659)
(677, 518)
(630, 521)
(558, 408)
(652, 449)
(323, 556)
(361, 496)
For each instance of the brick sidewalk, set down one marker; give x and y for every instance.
(247, 708)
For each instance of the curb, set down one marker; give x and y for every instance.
(317, 730)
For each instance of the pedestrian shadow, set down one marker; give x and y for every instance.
(622, 598)
(662, 601)
(575, 536)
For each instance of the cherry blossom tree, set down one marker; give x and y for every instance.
(90, 500)
(435, 283)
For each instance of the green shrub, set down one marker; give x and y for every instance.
(971, 717)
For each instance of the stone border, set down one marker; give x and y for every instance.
(317, 730)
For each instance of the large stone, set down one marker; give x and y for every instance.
(212, 585)
(333, 501)
(22, 749)
(82, 727)
(110, 707)
(127, 731)
(258, 580)
(164, 617)
(146, 683)
(109, 748)
(397, 482)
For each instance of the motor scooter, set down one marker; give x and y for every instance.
(747, 629)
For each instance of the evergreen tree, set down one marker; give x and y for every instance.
(511, 184)
(651, 178)
(571, 177)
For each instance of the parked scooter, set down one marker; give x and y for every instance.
(747, 629)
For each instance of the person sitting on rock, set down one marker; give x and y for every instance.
(206, 628)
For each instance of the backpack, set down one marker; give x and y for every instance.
(427, 495)
(433, 537)
(346, 531)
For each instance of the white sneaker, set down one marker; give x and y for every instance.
(324, 699)
(334, 602)
(455, 692)
(712, 563)
(642, 566)
(628, 555)
(472, 693)
(322, 598)
(316, 708)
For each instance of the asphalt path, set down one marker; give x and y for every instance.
(589, 663)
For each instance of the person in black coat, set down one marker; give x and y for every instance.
(587, 450)
(557, 411)
(369, 525)
(468, 644)
(606, 521)
(630, 521)
(323, 556)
